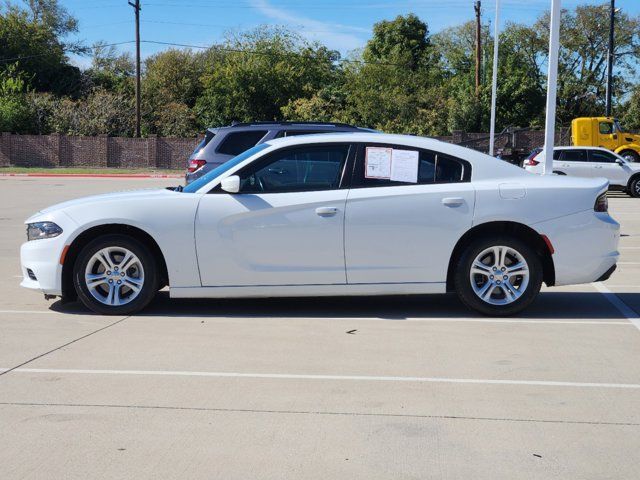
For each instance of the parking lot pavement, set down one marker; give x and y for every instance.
(413, 387)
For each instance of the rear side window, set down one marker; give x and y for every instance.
(574, 155)
(433, 167)
(237, 142)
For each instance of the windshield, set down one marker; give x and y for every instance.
(618, 126)
(193, 187)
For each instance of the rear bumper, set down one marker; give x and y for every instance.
(586, 246)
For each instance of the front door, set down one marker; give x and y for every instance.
(607, 135)
(605, 164)
(404, 230)
(284, 227)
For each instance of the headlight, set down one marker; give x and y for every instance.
(40, 230)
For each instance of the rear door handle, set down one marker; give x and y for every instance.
(453, 201)
(326, 211)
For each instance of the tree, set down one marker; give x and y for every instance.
(15, 114)
(31, 42)
(254, 75)
(583, 58)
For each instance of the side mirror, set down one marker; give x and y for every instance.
(231, 184)
(619, 162)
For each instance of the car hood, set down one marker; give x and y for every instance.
(133, 196)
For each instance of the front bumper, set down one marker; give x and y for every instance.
(42, 257)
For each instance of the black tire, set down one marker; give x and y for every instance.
(463, 285)
(630, 155)
(149, 268)
(634, 187)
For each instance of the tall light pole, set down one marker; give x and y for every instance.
(552, 87)
(610, 54)
(136, 6)
(494, 82)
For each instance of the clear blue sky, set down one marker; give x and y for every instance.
(340, 24)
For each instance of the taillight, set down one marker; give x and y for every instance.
(531, 162)
(602, 203)
(196, 165)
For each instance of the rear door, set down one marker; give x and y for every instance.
(604, 164)
(573, 162)
(405, 231)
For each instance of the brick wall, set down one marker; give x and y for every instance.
(172, 153)
(96, 152)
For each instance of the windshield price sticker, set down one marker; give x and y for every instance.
(391, 164)
(378, 162)
(404, 166)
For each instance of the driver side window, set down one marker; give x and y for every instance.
(309, 168)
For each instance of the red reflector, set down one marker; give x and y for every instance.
(549, 245)
(196, 165)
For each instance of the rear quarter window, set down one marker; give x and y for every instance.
(237, 142)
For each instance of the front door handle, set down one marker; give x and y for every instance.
(453, 201)
(326, 211)
(598, 166)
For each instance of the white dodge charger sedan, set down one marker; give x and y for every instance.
(333, 214)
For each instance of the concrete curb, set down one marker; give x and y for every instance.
(90, 175)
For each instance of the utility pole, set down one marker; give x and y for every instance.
(494, 81)
(136, 6)
(552, 87)
(477, 9)
(610, 57)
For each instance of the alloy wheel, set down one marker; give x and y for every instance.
(499, 275)
(114, 276)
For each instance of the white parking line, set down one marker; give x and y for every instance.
(293, 376)
(622, 307)
(29, 312)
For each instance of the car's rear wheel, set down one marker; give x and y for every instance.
(498, 275)
(115, 275)
(634, 187)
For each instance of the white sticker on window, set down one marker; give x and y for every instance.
(377, 162)
(404, 166)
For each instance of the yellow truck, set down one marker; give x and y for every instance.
(605, 132)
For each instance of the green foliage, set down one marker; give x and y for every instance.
(101, 112)
(15, 114)
(33, 39)
(253, 75)
(404, 80)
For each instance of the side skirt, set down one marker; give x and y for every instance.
(264, 291)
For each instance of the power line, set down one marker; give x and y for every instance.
(25, 57)
(270, 54)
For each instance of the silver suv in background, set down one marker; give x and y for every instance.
(222, 144)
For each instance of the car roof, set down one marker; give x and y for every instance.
(566, 147)
(282, 125)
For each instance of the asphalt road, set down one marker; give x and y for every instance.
(384, 388)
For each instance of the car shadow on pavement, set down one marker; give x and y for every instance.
(549, 305)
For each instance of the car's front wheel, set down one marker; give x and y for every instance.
(115, 275)
(498, 275)
(634, 187)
